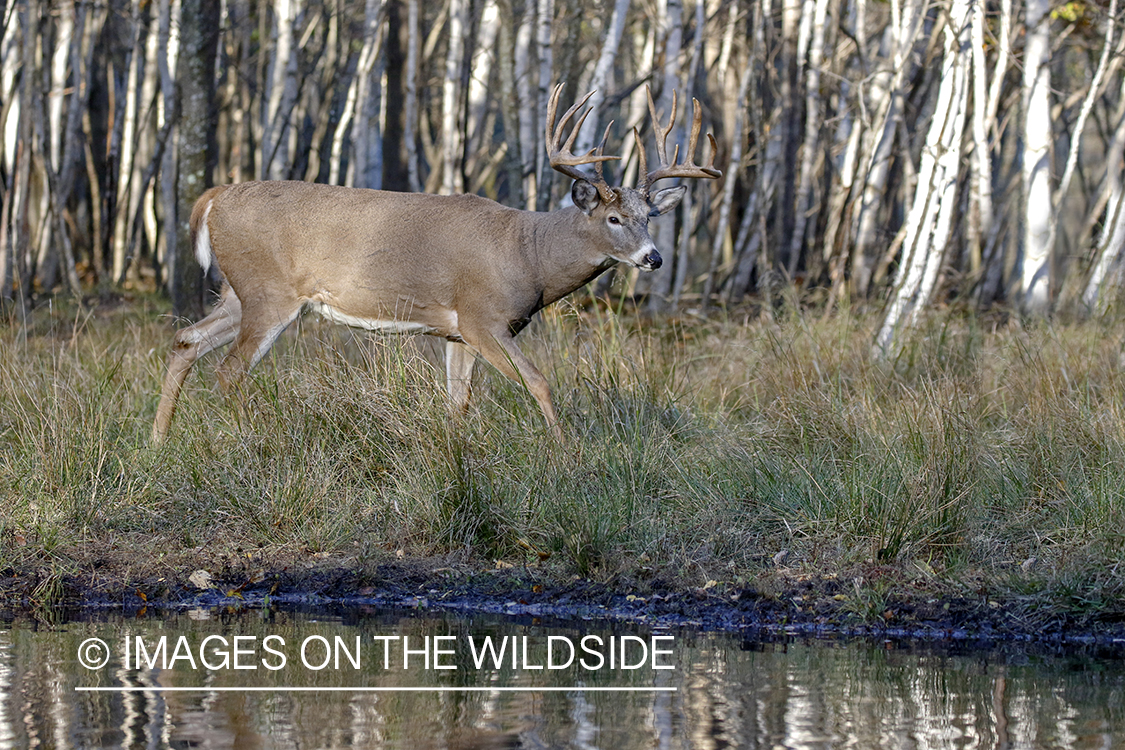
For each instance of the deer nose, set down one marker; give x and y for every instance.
(653, 261)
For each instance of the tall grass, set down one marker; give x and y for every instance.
(987, 455)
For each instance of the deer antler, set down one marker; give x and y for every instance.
(561, 157)
(672, 169)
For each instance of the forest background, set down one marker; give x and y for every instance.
(899, 153)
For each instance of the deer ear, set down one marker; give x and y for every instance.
(585, 196)
(666, 200)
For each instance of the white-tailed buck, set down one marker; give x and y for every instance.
(461, 267)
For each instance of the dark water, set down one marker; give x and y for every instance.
(291, 680)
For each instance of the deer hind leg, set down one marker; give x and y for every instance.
(459, 362)
(216, 330)
(262, 323)
(502, 353)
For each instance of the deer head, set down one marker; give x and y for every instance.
(625, 211)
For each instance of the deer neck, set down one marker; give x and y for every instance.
(568, 251)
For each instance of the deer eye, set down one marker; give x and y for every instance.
(614, 220)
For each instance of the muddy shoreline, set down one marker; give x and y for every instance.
(793, 605)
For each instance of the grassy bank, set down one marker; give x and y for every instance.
(740, 454)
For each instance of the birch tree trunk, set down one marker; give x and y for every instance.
(1095, 91)
(128, 145)
(812, 134)
(1111, 243)
(1107, 269)
(935, 202)
(544, 19)
(663, 228)
(453, 147)
(15, 280)
(645, 40)
(65, 137)
(166, 59)
(366, 130)
(601, 79)
(901, 38)
(10, 60)
(686, 207)
(528, 109)
(980, 192)
(730, 178)
(410, 118)
(1035, 276)
(282, 92)
(477, 133)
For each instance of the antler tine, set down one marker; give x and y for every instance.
(642, 159)
(674, 169)
(600, 150)
(561, 158)
(696, 126)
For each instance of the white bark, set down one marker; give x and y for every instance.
(890, 95)
(686, 208)
(366, 130)
(9, 69)
(662, 229)
(1112, 241)
(848, 133)
(1036, 265)
(451, 135)
(730, 177)
(410, 125)
(529, 144)
(65, 31)
(343, 130)
(282, 94)
(480, 75)
(544, 20)
(980, 194)
(147, 144)
(935, 203)
(812, 132)
(602, 72)
(1080, 124)
(645, 40)
(128, 149)
(168, 38)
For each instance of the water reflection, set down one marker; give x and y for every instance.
(727, 693)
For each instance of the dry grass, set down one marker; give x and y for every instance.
(698, 450)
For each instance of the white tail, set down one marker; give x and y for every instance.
(461, 267)
(202, 236)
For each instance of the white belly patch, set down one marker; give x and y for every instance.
(371, 324)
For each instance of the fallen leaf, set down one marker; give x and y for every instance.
(201, 579)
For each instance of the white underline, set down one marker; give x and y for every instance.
(256, 689)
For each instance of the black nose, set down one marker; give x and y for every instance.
(653, 260)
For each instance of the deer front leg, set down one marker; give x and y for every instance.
(502, 353)
(459, 362)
